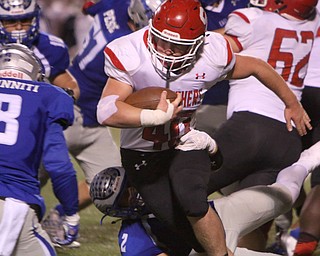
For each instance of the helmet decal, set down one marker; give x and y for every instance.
(171, 34)
(203, 16)
(15, 6)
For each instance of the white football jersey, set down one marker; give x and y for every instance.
(284, 44)
(129, 60)
(312, 78)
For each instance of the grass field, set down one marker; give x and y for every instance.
(96, 239)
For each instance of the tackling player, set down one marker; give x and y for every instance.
(33, 116)
(142, 234)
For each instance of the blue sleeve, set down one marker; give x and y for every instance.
(53, 53)
(60, 108)
(58, 164)
(61, 61)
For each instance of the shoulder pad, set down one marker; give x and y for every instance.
(123, 54)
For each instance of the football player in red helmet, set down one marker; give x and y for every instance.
(177, 46)
(175, 39)
(299, 9)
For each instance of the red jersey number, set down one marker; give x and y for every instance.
(287, 57)
(158, 135)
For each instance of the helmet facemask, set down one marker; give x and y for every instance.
(110, 194)
(169, 63)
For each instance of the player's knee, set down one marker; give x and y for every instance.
(189, 179)
(191, 194)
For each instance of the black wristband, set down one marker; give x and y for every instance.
(70, 92)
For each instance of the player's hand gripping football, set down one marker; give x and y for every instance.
(71, 230)
(165, 111)
(164, 104)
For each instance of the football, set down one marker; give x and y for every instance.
(148, 98)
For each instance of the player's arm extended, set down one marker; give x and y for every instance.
(113, 111)
(64, 181)
(57, 162)
(246, 66)
(67, 81)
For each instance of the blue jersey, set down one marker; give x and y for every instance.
(32, 117)
(53, 53)
(134, 240)
(217, 18)
(110, 22)
(149, 237)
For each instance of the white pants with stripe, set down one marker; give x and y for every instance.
(21, 232)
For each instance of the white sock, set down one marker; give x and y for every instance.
(310, 158)
(292, 178)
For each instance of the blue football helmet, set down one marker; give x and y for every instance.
(111, 195)
(19, 10)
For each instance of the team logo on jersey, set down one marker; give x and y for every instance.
(200, 75)
(17, 7)
(138, 166)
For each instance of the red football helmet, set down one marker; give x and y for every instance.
(180, 25)
(299, 9)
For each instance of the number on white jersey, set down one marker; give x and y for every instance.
(287, 57)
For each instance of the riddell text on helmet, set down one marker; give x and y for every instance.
(11, 73)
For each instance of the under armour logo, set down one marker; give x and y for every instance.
(143, 163)
(200, 76)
